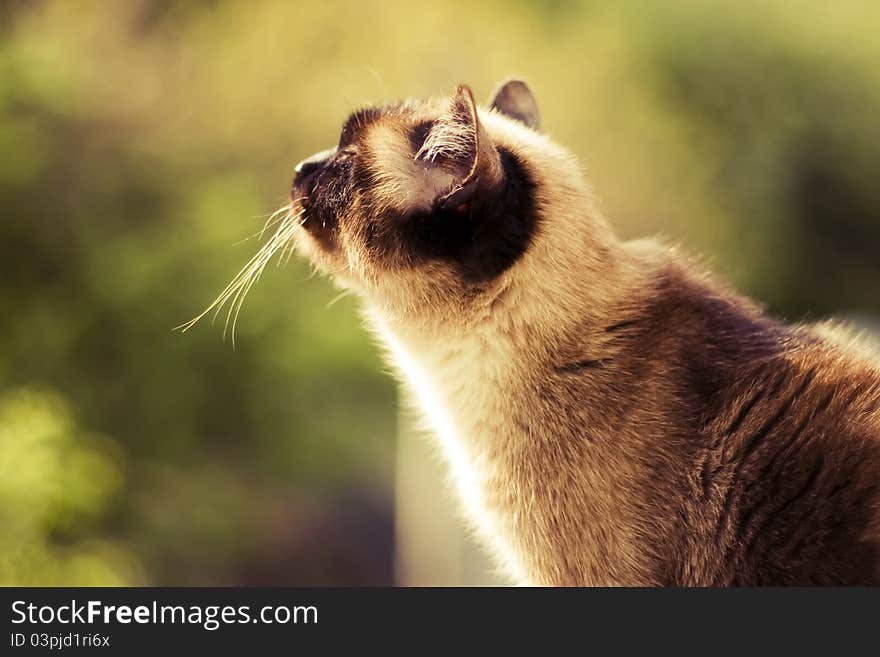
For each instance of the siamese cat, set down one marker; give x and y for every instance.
(610, 414)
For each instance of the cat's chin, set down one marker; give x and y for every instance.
(319, 226)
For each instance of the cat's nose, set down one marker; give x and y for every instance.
(311, 164)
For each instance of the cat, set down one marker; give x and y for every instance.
(610, 413)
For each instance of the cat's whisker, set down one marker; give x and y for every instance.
(270, 219)
(233, 295)
(378, 77)
(277, 216)
(337, 298)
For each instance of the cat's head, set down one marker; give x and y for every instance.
(429, 205)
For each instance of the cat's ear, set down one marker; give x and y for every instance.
(460, 141)
(513, 98)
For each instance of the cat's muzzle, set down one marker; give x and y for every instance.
(306, 169)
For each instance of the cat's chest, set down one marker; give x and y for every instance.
(470, 393)
(517, 477)
(474, 383)
(467, 389)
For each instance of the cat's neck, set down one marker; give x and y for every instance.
(478, 386)
(470, 364)
(553, 295)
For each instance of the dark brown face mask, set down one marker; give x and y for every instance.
(481, 222)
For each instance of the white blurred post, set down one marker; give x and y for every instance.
(432, 546)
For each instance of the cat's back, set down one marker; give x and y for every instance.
(784, 483)
(763, 439)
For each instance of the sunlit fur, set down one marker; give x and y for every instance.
(610, 414)
(470, 357)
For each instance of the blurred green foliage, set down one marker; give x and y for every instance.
(54, 481)
(140, 142)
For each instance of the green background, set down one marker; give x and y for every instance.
(140, 142)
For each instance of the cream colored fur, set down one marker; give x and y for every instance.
(471, 371)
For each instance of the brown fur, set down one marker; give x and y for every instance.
(610, 414)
